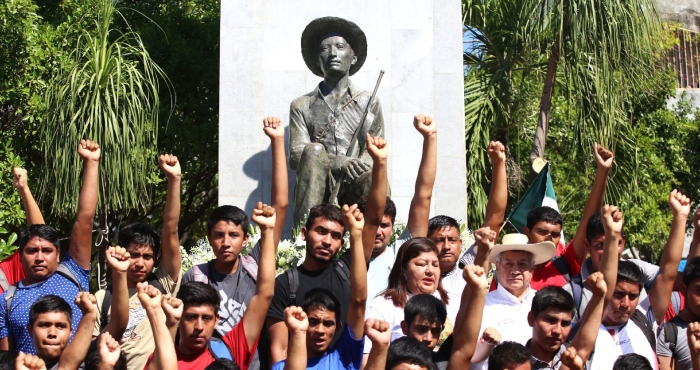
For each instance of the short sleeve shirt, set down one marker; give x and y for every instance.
(345, 354)
(380, 266)
(15, 323)
(237, 344)
(137, 343)
(12, 268)
(681, 353)
(615, 341)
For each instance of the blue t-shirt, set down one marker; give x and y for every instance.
(346, 354)
(15, 324)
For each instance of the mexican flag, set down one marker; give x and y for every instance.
(540, 193)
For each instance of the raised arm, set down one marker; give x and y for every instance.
(355, 317)
(75, 352)
(170, 239)
(419, 212)
(274, 129)
(693, 333)
(584, 340)
(172, 307)
(297, 324)
(254, 316)
(498, 196)
(118, 259)
(604, 160)
(164, 356)
(25, 361)
(612, 224)
(660, 294)
(109, 352)
(31, 209)
(376, 199)
(471, 308)
(81, 235)
(694, 249)
(379, 332)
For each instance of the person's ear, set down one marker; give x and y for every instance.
(303, 233)
(404, 327)
(338, 327)
(354, 59)
(531, 319)
(526, 231)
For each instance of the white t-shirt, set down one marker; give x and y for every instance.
(454, 284)
(380, 266)
(505, 313)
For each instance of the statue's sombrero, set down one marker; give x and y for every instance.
(320, 27)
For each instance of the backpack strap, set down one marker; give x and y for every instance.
(4, 284)
(219, 349)
(671, 335)
(576, 284)
(200, 275)
(293, 277)
(563, 266)
(250, 266)
(106, 304)
(343, 271)
(68, 274)
(9, 295)
(640, 319)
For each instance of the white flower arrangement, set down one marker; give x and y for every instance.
(290, 252)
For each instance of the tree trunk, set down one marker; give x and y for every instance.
(538, 144)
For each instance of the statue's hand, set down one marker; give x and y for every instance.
(353, 168)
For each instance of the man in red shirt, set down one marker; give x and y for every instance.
(199, 315)
(11, 270)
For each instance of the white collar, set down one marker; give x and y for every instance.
(510, 298)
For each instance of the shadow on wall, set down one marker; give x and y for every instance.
(259, 167)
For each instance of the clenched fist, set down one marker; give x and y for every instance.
(424, 125)
(89, 151)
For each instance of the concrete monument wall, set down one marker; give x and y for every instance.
(417, 42)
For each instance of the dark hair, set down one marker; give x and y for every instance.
(441, 221)
(389, 207)
(7, 360)
(327, 211)
(594, 227)
(632, 361)
(408, 350)
(50, 303)
(552, 296)
(92, 361)
(427, 306)
(322, 298)
(194, 293)
(691, 273)
(223, 364)
(508, 354)
(629, 272)
(41, 231)
(544, 213)
(140, 234)
(230, 214)
(397, 290)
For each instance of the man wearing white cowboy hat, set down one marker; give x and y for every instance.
(507, 307)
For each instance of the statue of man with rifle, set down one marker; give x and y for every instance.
(328, 125)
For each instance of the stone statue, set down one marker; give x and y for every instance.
(325, 123)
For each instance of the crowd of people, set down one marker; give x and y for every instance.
(416, 302)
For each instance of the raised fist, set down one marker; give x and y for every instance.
(86, 302)
(424, 125)
(264, 216)
(149, 296)
(596, 284)
(273, 128)
(693, 333)
(172, 307)
(475, 276)
(612, 220)
(19, 180)
(25, 361)
(571, 359)
(89, 150)
(354, 167)
(109, 349)
(497, 152)
(378, 331)
(603, 157)
(296, 319)
(484, 238)
(679, 203)
(376, 147)
(354, 219)
(170, 165)
(118, 258)
(491, 336)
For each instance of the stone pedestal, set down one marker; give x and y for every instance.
(417, 42)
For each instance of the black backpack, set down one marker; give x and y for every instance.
(107, 301)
